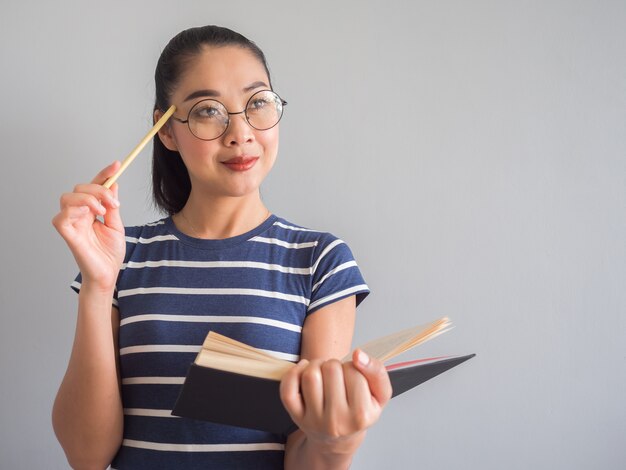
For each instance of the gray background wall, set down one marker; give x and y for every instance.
(473, 154)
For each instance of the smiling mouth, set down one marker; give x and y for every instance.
(240, 163)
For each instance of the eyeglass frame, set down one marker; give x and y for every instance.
(229, 114)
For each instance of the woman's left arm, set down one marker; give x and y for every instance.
(332, 403)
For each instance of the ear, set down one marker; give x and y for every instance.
(165, 133)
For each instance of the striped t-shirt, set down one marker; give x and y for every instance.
(172, 289)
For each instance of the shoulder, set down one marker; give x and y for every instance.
(333, 268)
(327, 250)
(147, 240)
(148, 231)
(291, 232)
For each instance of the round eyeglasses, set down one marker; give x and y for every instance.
(208, 119)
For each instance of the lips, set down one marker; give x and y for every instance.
(241, 163)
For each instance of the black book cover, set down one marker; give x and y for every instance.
(252, 402)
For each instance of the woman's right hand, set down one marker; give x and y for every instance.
(98, 247)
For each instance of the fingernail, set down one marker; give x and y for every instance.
(363, 358)
(115, 202)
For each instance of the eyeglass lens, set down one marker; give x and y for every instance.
(209, 119)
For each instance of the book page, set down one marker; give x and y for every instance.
(390, 346)
(241, 365)
(216, 342)
(227, 354)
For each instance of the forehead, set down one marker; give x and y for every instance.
(227, 69)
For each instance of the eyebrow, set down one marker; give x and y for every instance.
(208, 93)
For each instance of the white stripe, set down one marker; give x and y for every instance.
(212, 291)
(336, 295)
(149, 348)
(149, 412)
(211, 319)
(180, 348)
(154, 224)
(153, 381)
(325, 252)
(202, 447)
(215, 264)
(158, 238)
(284, 244)
(291, 227)
(341, 267)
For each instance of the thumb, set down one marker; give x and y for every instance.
(375, 374)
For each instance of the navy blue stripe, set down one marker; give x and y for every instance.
(129, 458)
(275, 309)
(229, 305)
(191, 333)
(250, 251)
(249, 278)
(156, 365)
(186, 431)
(152, 396)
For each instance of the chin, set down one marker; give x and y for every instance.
(242, 190)
(245, 184)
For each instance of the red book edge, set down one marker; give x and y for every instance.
(399, 365)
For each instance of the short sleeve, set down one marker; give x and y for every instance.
(335, 275)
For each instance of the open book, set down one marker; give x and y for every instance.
(236, 384)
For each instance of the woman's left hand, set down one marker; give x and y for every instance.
(333, 402)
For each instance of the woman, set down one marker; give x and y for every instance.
(220, 261)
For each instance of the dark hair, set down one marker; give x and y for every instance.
(170, 179)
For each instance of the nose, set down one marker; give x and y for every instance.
(238, 131)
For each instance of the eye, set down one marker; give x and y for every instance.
(258, 104)
(206, 111)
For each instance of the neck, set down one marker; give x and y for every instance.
(220, 217)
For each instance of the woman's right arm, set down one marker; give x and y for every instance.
(88, 415)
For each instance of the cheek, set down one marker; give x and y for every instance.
(192, 148)
(185, 141)
(269, 140)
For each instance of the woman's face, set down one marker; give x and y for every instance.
(236, 163)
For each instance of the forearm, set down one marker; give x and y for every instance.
(87, 414)
(303, 453)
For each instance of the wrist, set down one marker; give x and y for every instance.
(97, 289)
(336, 446)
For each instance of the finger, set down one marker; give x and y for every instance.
(375, 374)
(364, 409)
(82, 199)
(64, 220)
(112, 217)
(357, 388)
(312, 388)
(115, 189)
(104, 195)
(290, 391)
(334, 387)
(75, 212)
(106, 173)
